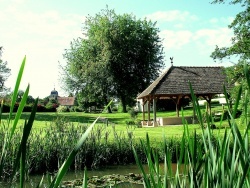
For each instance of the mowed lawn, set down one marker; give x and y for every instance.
(118, 121)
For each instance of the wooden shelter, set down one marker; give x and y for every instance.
(174, 84)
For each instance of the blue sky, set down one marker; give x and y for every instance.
(42, 29)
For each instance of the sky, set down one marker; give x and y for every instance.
(41, 30)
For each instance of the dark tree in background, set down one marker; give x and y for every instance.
(118, 56)
(4, 72)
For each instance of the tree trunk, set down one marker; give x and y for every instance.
(124, 110)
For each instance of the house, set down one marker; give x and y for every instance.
(63, 101)
(174, 84)
(66, 101)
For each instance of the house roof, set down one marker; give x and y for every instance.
(66, 101)
(175, 81)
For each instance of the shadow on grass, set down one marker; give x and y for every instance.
(80, 117)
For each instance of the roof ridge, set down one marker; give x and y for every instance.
(200, 66)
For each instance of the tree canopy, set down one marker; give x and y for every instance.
(118, 56)
(4, 72)
(241, 39)
(239, 48)
(240, 42)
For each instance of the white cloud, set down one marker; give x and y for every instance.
(214, 20)
(221, 21)
(42, 37)
(172, 15)
(175, 39)
(212, 37)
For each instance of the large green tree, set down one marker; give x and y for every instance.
(4, 72)
(241, 28)
(118, 56)
(240, 46)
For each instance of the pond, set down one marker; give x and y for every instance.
(126, 170)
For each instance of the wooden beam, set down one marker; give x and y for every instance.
(177, 100)
(154, 109)
(148, 108)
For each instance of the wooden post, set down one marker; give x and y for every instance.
(177, 104)
(208, 107)
(148, 109)
(143, 110)
(154, 109)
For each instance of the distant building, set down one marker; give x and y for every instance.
(66, 101)
(63, 101)
(53, 94)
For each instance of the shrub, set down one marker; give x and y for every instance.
(133, 113)
(41, 108)
(62, 109)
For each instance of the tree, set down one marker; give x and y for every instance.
(4, 72)
(19, 96)
(241, 40)
(119, 57)
(240, 43)
(239, 48)
(30, 100)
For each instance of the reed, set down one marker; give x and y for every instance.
(204, 161)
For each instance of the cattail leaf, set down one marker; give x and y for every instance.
(20, 110)
(85, 179)
(138, 162)
(22, 148)
(246, 71)
(65, 166)
(16, 88)
(40, 182)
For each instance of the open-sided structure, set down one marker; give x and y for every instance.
(174, 84)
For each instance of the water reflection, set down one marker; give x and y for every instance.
(70, 176)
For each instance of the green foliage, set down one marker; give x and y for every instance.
(133, 113)
(119, 58)
(240, 41)
(239, 47)
(62, 109)
(4, 72)
(9, 131)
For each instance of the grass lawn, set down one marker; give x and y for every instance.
(119, 121)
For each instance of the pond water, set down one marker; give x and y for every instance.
(70, 176)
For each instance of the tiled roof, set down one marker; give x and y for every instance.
(175, 81)
(66, 101)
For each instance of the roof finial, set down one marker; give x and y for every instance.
(171, 58)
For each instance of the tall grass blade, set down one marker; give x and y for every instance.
(65, 166)
(196, 105)
(16, 89)
(85, 179)
(247, 74)
(7, 135)
(40, 183)
(26, 132)
(139, 164)
(237, 101)
(22, 147)
(19, 110)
